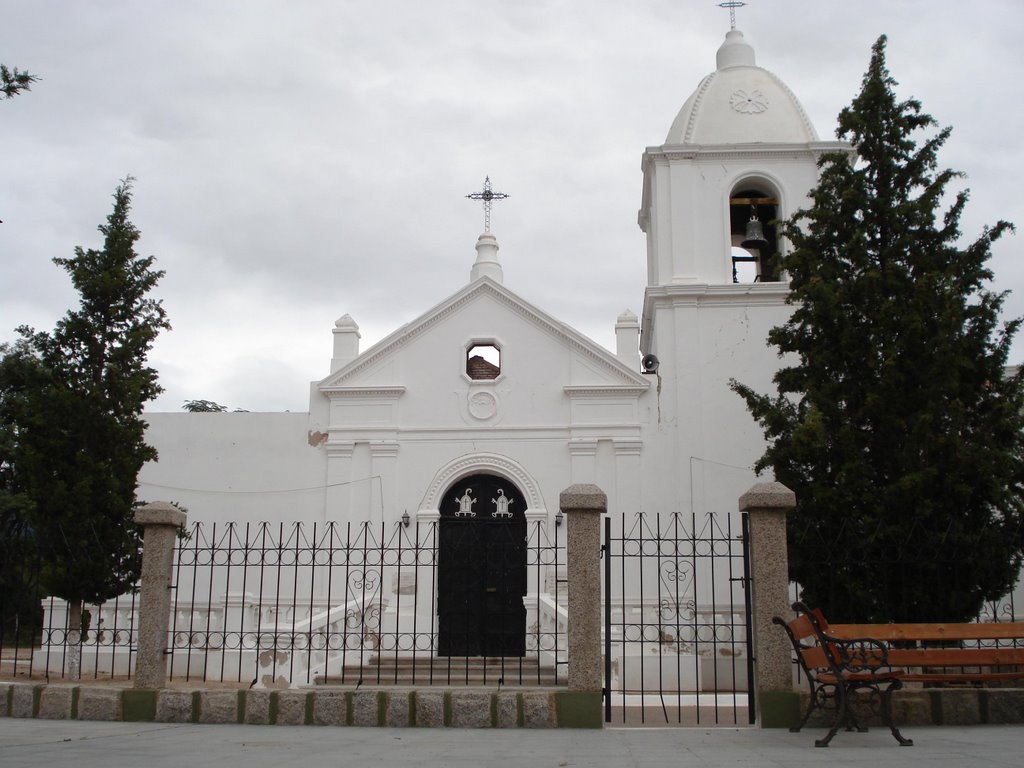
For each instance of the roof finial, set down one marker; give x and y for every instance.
(488, 197)
(732, 5)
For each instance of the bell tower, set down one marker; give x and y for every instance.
(740, 145)
(740, 156)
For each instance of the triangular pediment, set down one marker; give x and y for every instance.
(591, 364)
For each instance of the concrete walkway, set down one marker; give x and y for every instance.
(154, 745)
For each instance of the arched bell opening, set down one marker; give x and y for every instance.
(753, 235)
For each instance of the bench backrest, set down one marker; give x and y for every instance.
(863, 647)
(806, 634)
(944, 632)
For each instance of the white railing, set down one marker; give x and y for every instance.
(688, 648)
(237, 639)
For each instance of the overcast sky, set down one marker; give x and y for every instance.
(299, 161)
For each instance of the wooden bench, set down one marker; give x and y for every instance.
(948, 652)
(872, 655)
(836, 668)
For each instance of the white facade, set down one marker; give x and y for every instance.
(407, 412)
(486, 384)
(389, 429)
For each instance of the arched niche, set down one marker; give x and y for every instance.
(754, 199)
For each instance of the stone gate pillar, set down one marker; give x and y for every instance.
(767, 505)
(160, 522)
(583, 506)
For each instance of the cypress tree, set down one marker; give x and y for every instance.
(895, 420)
(75, 399)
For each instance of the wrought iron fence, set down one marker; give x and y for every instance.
(919, 563)
(276, 604)
(677, 620)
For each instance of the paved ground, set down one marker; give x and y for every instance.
(150, 745)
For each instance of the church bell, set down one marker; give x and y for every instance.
(755, 232)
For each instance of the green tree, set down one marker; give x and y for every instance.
(13, 82)
(207, 406)
(203, 406)
(78, 433)
(894, 420)
(20, 374)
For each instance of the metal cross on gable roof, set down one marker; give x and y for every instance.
(488, 196)
(732, 5)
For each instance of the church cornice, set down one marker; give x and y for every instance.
(759, 151)
(522, 433)
(614, 390)
(385, 392)
(751, 294)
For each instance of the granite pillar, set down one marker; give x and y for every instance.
(767, 505)
(160, 523)
(583, 506)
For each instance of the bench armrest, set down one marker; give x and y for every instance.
(859, 654)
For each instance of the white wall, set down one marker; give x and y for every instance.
(233, 466)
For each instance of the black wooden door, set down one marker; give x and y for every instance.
(482, 569)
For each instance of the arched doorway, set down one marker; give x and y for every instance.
(482, 568)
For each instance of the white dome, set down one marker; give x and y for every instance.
(741, 103)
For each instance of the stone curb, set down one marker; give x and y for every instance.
(433, 707)
(365, 706)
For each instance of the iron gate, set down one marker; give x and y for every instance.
(677, 635)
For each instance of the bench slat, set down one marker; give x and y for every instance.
(960, 677)
(1001, 630)
(955, 657)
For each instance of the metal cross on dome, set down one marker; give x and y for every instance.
(732, 5)
(488, 196)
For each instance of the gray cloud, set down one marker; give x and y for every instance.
(297, 162)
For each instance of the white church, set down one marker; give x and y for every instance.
(486, 384)
(485, 407)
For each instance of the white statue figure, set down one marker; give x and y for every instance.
(501, 503)
(466, 503)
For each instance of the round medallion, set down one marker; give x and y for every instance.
(749, 102)
(482, 404)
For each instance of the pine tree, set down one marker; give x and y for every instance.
(894, 419)
(79, 432)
